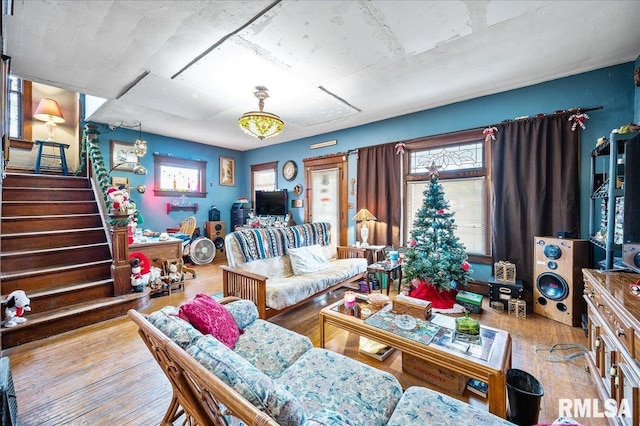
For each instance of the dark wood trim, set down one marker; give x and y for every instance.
(264, 166)
(162, 160)
(338, 161)
(21, 144)
(27, 111)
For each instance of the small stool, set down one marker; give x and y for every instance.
(60, 156)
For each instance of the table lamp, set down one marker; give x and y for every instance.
(363, 216)
(49, 112)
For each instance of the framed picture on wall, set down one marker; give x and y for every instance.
(123, 156)
(227, 171)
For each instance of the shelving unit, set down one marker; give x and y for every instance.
(610, 191)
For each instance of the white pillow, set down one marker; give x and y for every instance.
(307, 259)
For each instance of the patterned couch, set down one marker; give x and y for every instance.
(281, 268)
(273, 376)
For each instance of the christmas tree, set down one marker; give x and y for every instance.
(435, 255)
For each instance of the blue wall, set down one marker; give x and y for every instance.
(152, 208)
(610, 87)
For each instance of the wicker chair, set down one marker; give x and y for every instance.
(187, 227)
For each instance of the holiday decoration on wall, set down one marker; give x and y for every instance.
(436, 261)
(578, 120)
(490, 134)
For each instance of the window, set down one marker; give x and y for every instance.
(464, 176)
(177, 177)
(15, 107)
(264, 177)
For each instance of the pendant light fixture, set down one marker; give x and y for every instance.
(259, 123)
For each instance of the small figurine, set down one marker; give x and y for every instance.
(17, 304)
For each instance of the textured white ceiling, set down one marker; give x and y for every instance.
(188, 69)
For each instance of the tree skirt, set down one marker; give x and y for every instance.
(439, 299)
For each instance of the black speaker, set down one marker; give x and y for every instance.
(216, 232)
(558, 287)
(214, 214)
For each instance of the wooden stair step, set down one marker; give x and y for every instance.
(34, 259)
(56, 276)
(21, 224)
(35, 208)
(51, 239)
(40, 325)
(52, 298)
(46, 194)
(44, 181)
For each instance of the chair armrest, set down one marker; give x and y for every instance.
(345, 252)
(246, 285)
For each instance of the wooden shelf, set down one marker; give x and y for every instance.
(171, 207)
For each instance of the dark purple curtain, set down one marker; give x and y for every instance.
(535, 186)
(379, 192)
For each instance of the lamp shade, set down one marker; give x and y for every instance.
(261, 124)
(48, 110)
(364, 215)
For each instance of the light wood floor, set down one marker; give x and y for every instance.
(104, 375)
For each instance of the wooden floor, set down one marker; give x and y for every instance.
(104, 375)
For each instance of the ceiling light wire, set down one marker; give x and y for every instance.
(223, 39)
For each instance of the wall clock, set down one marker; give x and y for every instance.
(297, 190)
(290, 170)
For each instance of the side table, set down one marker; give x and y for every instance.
(385, 268)
(374, 253)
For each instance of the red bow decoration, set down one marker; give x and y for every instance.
(490, 133)
(578, 119)
(400, 147)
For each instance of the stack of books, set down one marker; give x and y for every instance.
(478, 387)
(376, 350)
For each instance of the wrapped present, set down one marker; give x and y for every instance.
(504, 271)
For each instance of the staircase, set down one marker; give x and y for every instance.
(54, 246)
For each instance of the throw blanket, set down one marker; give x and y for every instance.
(264, 243)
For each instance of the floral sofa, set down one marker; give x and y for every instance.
(273, 376)
(281, 268)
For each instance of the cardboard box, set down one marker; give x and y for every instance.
(502, 292)
(417, 308)
(446, 379)
(471, 301)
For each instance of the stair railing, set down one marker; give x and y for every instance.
(115, 221)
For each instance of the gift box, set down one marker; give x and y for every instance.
(434, 374)
(417, 308)
(504, 272)
(472, 302)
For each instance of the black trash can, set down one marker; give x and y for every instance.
(525, 393)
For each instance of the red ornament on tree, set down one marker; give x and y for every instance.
(412, 242)
(465, 266)
(441, 211)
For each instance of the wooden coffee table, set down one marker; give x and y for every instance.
(492, 370)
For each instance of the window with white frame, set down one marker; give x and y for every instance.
(15, 107)
(463, 174)
(264, 177)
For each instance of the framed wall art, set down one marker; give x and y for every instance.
(227, 171)
(123, 156)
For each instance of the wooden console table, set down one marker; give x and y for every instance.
(157, 250)
(614, 338)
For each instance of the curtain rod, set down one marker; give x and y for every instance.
(575, 110)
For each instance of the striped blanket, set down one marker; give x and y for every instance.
(264, 243)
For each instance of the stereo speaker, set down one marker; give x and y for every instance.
(631, 256)
(558, 286)
(216, 232)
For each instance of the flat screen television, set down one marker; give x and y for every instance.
(271, 203)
